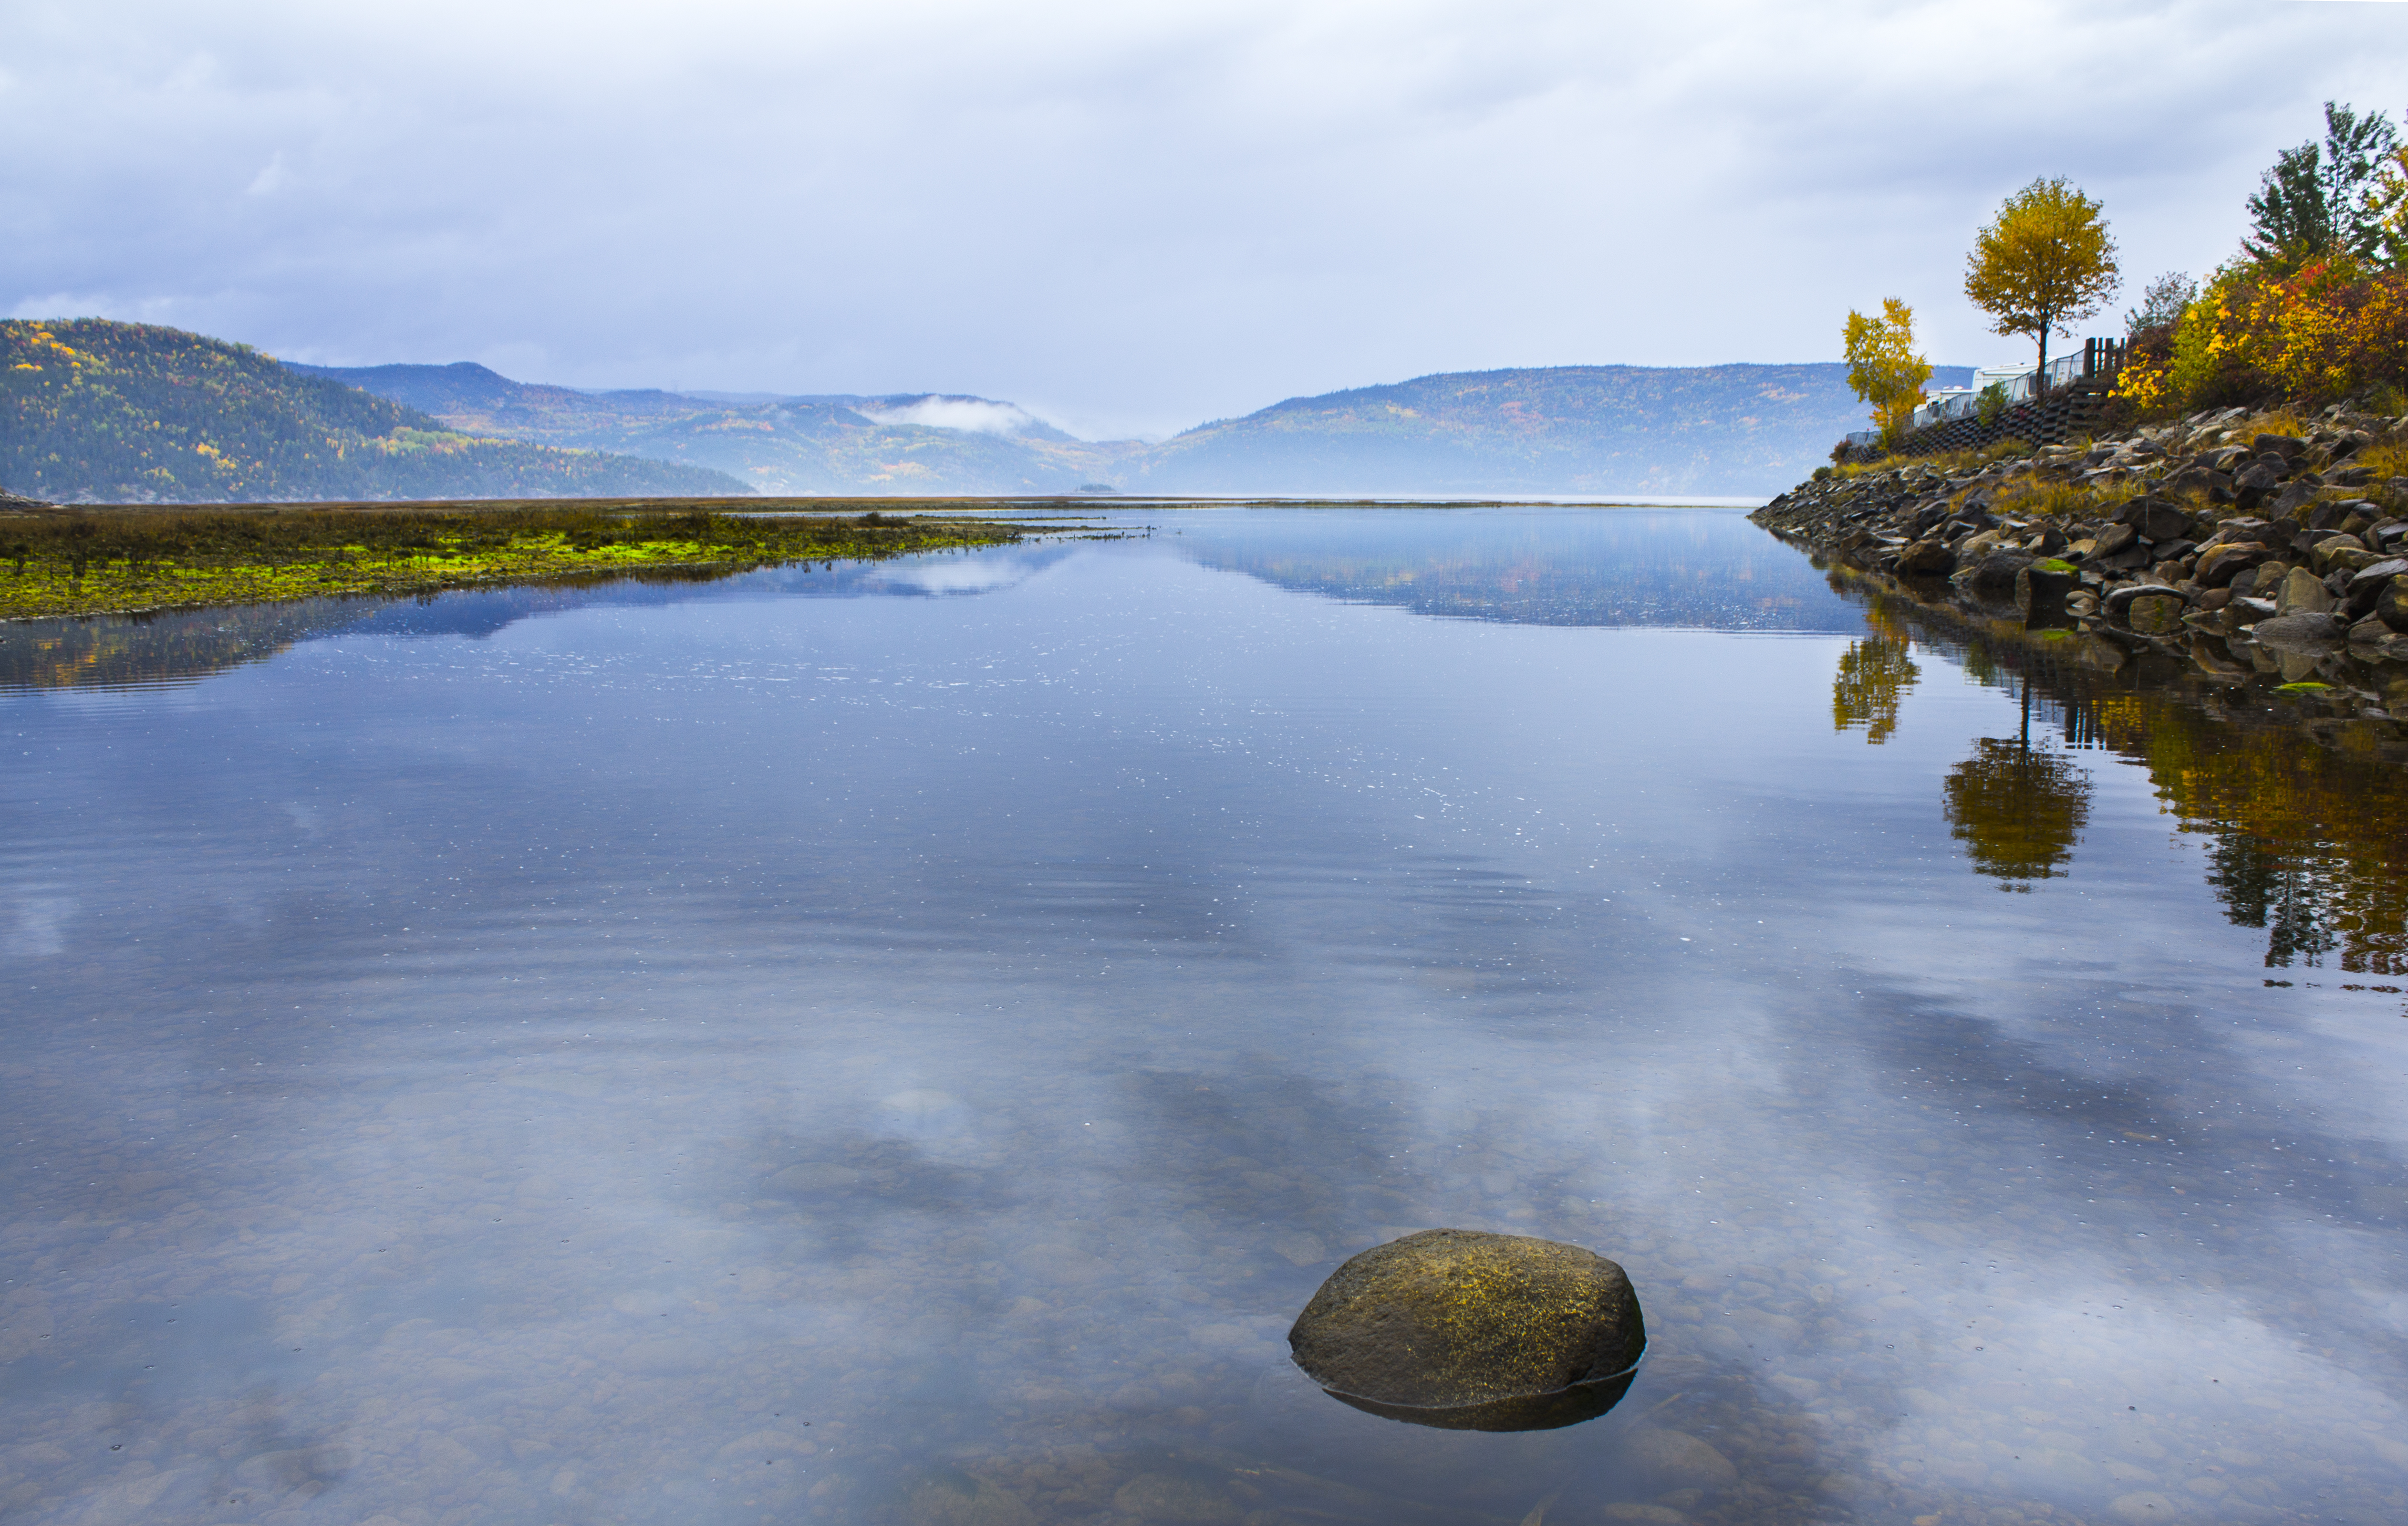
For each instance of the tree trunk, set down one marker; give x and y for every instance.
(2040, 378)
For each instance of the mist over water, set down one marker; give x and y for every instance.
(721, 1053)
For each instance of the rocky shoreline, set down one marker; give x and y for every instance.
(2254, 549)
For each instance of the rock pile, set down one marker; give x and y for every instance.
(2211, 538)
(1474, 1332)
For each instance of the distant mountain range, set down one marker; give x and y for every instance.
(1564, 429)
(913, 444)
(106, 413)
(1704, 430)
(155, 414)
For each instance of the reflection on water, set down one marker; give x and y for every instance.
(2016, 810)
(2307, 837)
(1533, 566)
(131, 651)
(745, 1054)
(177, 645)
(2305, 818)
(1875, 676)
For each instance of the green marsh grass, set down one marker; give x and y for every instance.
(70, 561)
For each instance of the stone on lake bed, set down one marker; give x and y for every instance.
(1474, 1332)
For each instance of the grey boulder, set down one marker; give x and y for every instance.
(2302, 593)
(2154, 519)
(2041, 590)
(2299, 632)
(2156, 613)
(1927, 558)
(1996, 572)
(2392, 604)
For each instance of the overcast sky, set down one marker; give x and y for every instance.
(1128, 217)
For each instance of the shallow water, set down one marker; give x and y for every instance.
(900, 1044)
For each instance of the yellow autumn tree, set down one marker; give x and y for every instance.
(1883, 368)
(2045, 262)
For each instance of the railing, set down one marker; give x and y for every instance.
(2096, 358)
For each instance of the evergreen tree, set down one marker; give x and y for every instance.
(2315, 200)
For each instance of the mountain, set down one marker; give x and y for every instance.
(916, 443)
(101, 410)
(1567, 430)
(98, 411)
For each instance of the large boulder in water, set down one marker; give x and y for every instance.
(1927, 559)
(1994, 574)
(1474, 1332)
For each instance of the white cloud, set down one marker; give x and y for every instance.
(1163, 213)
(270, 179)
(976, 415)
(41, 925)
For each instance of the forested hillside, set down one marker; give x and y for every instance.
(1567, 430)
(103, 412)
(107, 412)
(805, 444)
(1559, 429)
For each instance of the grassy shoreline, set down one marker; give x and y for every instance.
(62, 562)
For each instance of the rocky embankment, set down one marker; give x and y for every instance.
(2240, 548)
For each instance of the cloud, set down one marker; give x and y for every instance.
(41, 925)
(974, 414)
(1171, 213)
(984, 574)
(271, 179)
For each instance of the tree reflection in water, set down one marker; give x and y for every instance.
(1874, 675)
(2261, 888)
(2305, 816)
(2016, 810)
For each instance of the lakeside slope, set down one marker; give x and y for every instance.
(105, 412)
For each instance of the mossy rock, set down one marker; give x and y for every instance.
(2155, 614)
(1473, 1332)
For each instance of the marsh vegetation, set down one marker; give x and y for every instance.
(97, 561)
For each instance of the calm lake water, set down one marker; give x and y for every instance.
(900, 1044)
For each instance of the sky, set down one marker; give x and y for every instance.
(1128, 218)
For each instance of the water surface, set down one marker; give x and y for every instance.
(900, 1044)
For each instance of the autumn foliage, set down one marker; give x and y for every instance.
(2328, 330)
(92, 410)
(2045, 261)
(1883, 366)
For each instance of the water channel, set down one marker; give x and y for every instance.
(899, 1044)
